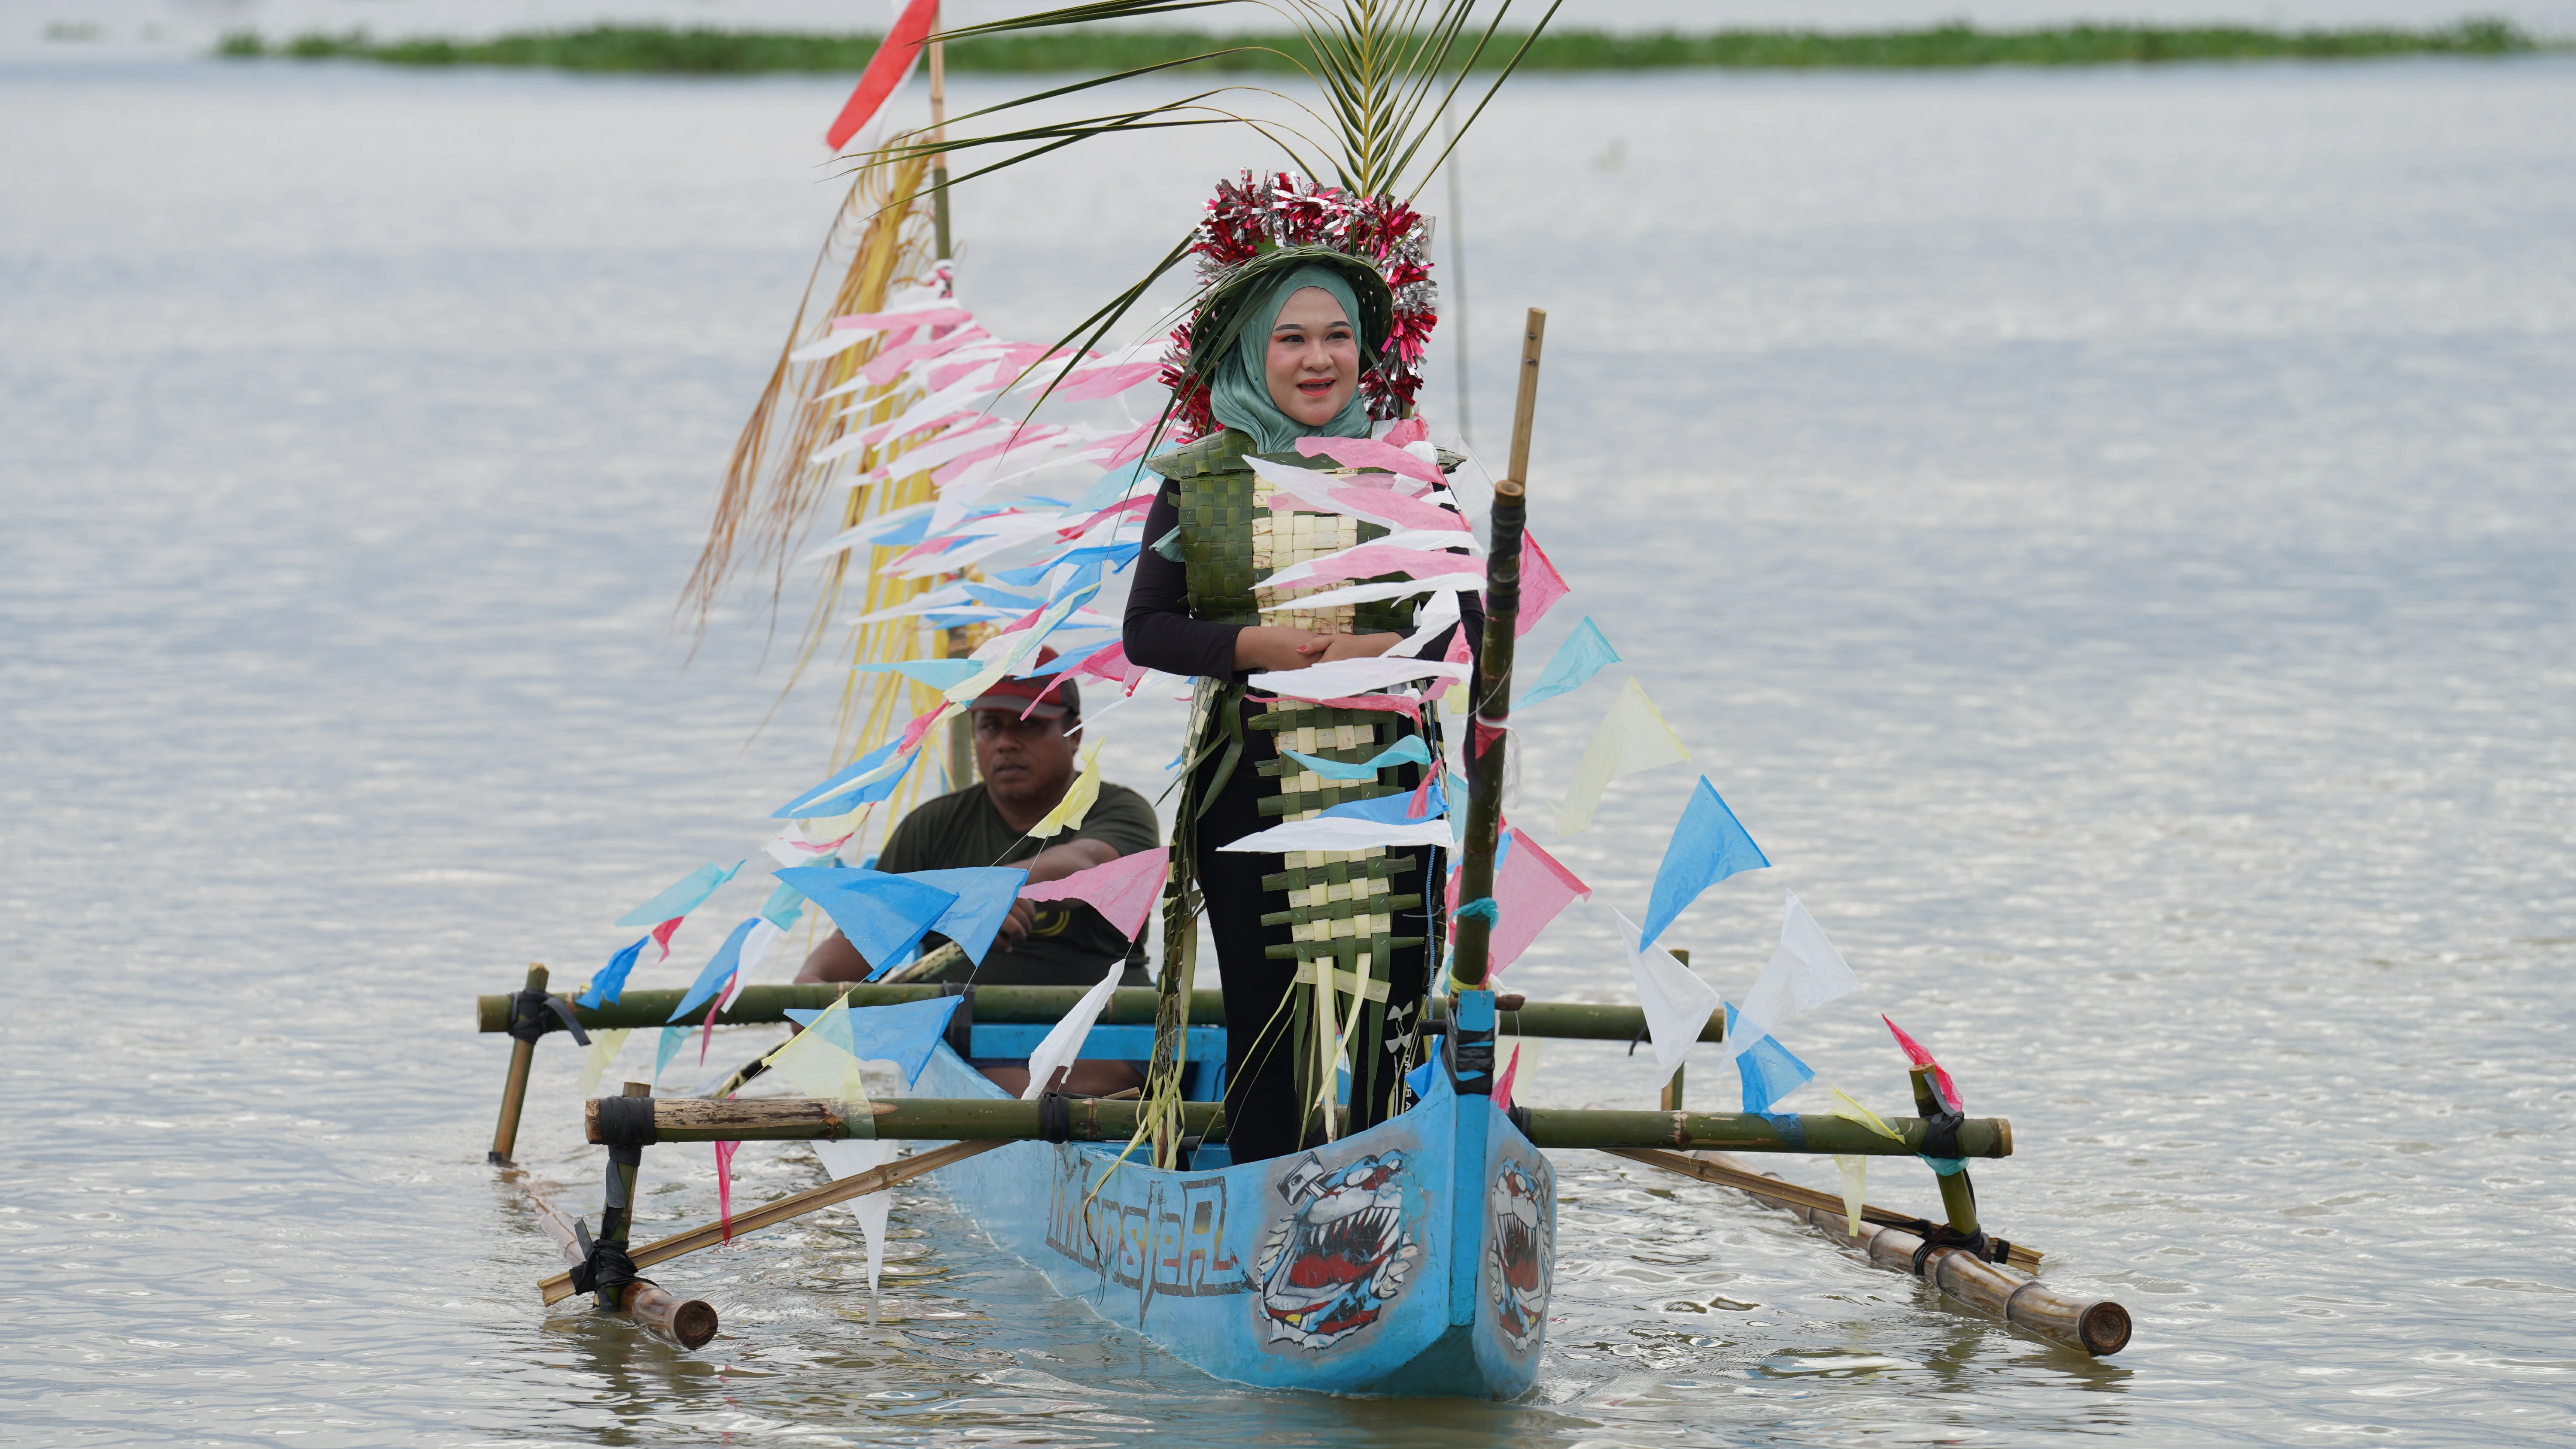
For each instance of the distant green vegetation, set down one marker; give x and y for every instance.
(725, 52)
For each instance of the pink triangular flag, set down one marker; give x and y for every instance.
(1122, 891)
(1921, 1056)
(1410, 430)
(920, 726)
(662, 935)
(724, 1187)
(1503, 1083)
(1541, 586)
(1531, 889)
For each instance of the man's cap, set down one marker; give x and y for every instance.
(1016, 692)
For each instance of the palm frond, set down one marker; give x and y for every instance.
(1376, 65)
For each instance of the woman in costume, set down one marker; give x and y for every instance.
(1281, 349)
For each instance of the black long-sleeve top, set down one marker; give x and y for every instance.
(1160, 634)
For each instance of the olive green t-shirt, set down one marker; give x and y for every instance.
(1069, 943)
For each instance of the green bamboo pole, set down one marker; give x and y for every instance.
(994, 1005)
(1750, 1132)
(514, 1088)
(1093, 1119)
(1958, 1195)
(1492, 709)
(787, 1119)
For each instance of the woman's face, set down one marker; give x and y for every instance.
(1314, 358)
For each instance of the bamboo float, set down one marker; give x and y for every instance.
(1128, 1006)
(875, 1179)
(2097, 1326)
(1711, 1167)
(689, 1322)
(618, 1121)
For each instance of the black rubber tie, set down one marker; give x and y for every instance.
(626, 1121)
(607, 1272)
(1055, 1116)
(534, 1013)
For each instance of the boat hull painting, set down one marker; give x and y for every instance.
(1335, 1270)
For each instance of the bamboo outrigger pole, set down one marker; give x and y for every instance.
(860, 1184)
(1054, 1117)
(2096, 1326)
(995, 1005)
(1490, 713)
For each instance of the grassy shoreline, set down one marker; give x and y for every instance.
(718, 52)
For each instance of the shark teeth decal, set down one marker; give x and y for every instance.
(1341, 1255)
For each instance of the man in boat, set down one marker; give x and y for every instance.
(1024, 751)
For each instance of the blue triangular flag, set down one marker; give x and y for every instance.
(1708, 846)
(784, 905)
(1767, 1070)
(680, 897)
(1409, 750)
(1111, 486)
(1583, 654)
(937, 673)
(611, 980)
(984, 895)
(719, 970)
(672, 1036)
(1391, 809)
(905, 1033)
(1419, 1079)
(883, 915)
(814, 803)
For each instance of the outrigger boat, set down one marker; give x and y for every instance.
(1413, 1257)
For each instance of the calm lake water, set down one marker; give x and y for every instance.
(2108, 535)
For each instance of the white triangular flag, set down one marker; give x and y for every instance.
(1064, 1044)
(1805, 972)
(847, 1158)
(1677, 1003)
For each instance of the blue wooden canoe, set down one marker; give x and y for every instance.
(1410, 1259)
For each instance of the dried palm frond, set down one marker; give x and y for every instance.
(773, 493)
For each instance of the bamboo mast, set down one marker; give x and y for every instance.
(1490, 714)
(955, 645)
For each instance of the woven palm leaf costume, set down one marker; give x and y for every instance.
(1324, 952)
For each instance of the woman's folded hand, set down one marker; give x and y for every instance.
(1266, 647)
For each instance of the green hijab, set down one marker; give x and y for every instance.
(1239, 391)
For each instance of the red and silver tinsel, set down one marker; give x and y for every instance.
(1250, 216)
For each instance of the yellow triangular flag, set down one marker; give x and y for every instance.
(1851, 1111)
(817, 1065)
(1078, 798)
(1855, 1185)
(1632, 737)
(603, 1050)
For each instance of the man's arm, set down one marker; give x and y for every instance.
(1053, 863)
(834, 960)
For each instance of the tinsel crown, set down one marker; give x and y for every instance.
(1256, 217)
